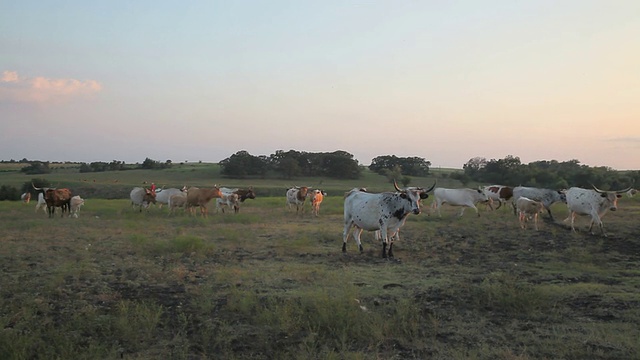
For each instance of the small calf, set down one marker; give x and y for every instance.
(177, 201)
(76, 203)
(528, 208)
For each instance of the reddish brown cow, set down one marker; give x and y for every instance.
(56, 198)
(201, 197)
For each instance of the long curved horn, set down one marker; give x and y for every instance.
(395, 184)
(623, 191)
(433, 186)
(35, 187)
(596, 189)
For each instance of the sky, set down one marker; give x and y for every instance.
(446, 81)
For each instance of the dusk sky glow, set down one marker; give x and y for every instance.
(442, 80)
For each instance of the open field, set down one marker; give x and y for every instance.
(270, 284)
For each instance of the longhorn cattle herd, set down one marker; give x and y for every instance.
(384, 213)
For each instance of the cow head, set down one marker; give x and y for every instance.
(149, 196)
(611, 197)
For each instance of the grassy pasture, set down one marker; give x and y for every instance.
(270, 284)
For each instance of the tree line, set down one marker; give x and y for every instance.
(548, 174)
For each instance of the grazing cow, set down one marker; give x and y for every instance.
(26, 197)
(42, 204)
(177, 201)
(546, 196)
(385, 212)
(297, 196)
(55, 197)
(316, 199)
(459, 197)
(201, 197)
(499, 193)
(163, 195)
(142, 197)
(594, 203)
(631, 192)
(76, 203)
(528, 208)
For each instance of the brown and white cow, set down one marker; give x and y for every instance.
(297, 196)
(201, 197)
(234, 201)
(499, 193)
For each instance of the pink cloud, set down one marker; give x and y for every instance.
(14, 88)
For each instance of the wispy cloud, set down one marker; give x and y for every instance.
(15, 88)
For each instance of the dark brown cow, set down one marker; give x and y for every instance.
(201, 197)
(499, 193)
(245, 194)
(56, 198)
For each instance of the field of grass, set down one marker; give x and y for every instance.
(270, 284)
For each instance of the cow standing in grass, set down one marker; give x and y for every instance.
(547, 197)
(317, 196)
(528, 208)
(142, 197)
(297, 196)
(385, 212)
(594, 203)
(201, 197)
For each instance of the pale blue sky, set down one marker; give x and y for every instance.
(441, 80)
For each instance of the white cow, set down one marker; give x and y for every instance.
(76, 203)
(458, 197)
(546, 196)
(385, 212)
(42, 203)
(163, 195)
(142, 197)
(297, 196)
(528, 208)
(631, 192)
(594, 203)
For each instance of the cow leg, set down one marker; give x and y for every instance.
(573, 219)
(345, 235)
(356, 234)
(549, 212)
(390, 253)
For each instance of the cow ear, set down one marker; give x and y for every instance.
(603, 195)
(403, 195)
(618, 196)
